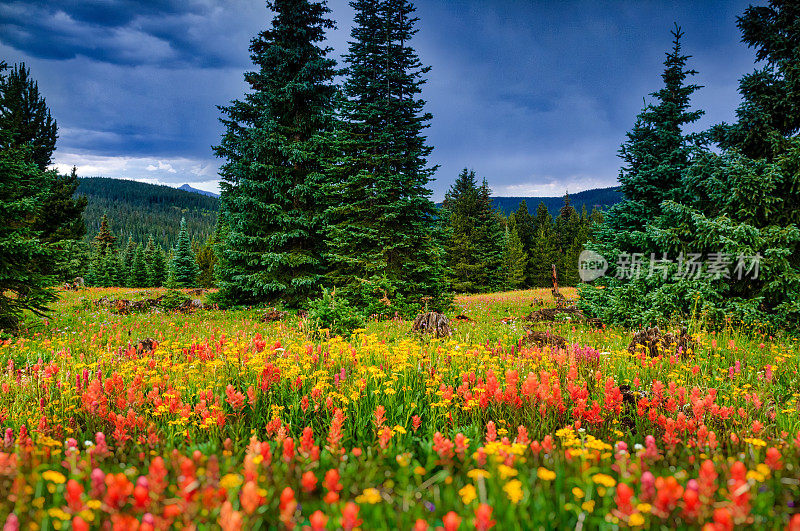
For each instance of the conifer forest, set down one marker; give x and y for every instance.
(357, 332)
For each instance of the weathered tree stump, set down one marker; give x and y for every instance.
(434, 323)
(654, 342)
(543, 339)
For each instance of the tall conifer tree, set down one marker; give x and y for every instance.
(274, 144)
(383, 234)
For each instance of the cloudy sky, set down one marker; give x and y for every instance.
(534, 95)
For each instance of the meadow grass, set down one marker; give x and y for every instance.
(234, 422)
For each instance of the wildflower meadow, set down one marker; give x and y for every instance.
(216, 419)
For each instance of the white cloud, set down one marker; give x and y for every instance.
(161, 166)
(173, 172)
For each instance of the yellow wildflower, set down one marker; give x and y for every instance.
(370, 495)
(513, 490)
(545, 474)
(604, 479)
(53, 476)
(468, 494)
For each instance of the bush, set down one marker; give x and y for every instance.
(334, 314)
(173, 299)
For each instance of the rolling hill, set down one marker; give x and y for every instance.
(602, 198)
(141, 210)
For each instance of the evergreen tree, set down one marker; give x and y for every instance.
(64, 219)
(183, 267)
(460, 209)
(656, 152)
(274, 145)
(525, 227)
(770, 110)
(490, 232)
(125, 264)
(206, 262)
(23, 286)
(155, 264)
(516, 259)
(383, 231)
(139, 277)
(24, 114)
(545, 250)
(569, 243)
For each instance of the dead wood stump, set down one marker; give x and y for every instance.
(434, 323)
(653, 342)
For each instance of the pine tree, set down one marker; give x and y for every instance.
(460, 209)
(64, 219)
(490, 232)
(656, 152)
(125, 264)
(525, 226)
(206, 262)
(545, 249)
(26, 121)
(155, 264)
(24, 114)
(383, 231)
(274, 145)
(770, 110)
(23, 286)
(139, 277)
(183, 267)
(516, 259)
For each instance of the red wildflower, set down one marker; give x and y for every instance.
(483, 517)
(318, 520)
(350, 518)
(451, 521)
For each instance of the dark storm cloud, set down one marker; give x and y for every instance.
(168, 33)
(534, 95)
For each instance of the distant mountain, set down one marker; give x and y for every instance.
(141, 210)
(188, 188)
(601, 198)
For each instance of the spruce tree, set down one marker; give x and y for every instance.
(525, 226)
(23, 286)
(274, 145)
(545, 251)
(183, 267)
(25, 116)
(516, 259)
(64, 219)
(206, 262)
(383, 230)
(139, 277)
(460, 210)
(656, 152)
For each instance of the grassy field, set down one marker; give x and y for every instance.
(233, 422)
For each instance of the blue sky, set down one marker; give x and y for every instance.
(536, 96)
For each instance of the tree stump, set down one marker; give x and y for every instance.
(432, 323)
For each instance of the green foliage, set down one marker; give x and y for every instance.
(173, 299)
(206, 262)
(274, 147)
(139, 277)
(334, 313)
(382, 225)
(141, 210)
(23, 285)
(25, 117)
(516, 259)
(183, 266)
(475, 243)
(738, 205)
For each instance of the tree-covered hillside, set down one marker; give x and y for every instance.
(600, 198)
(142, 210)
